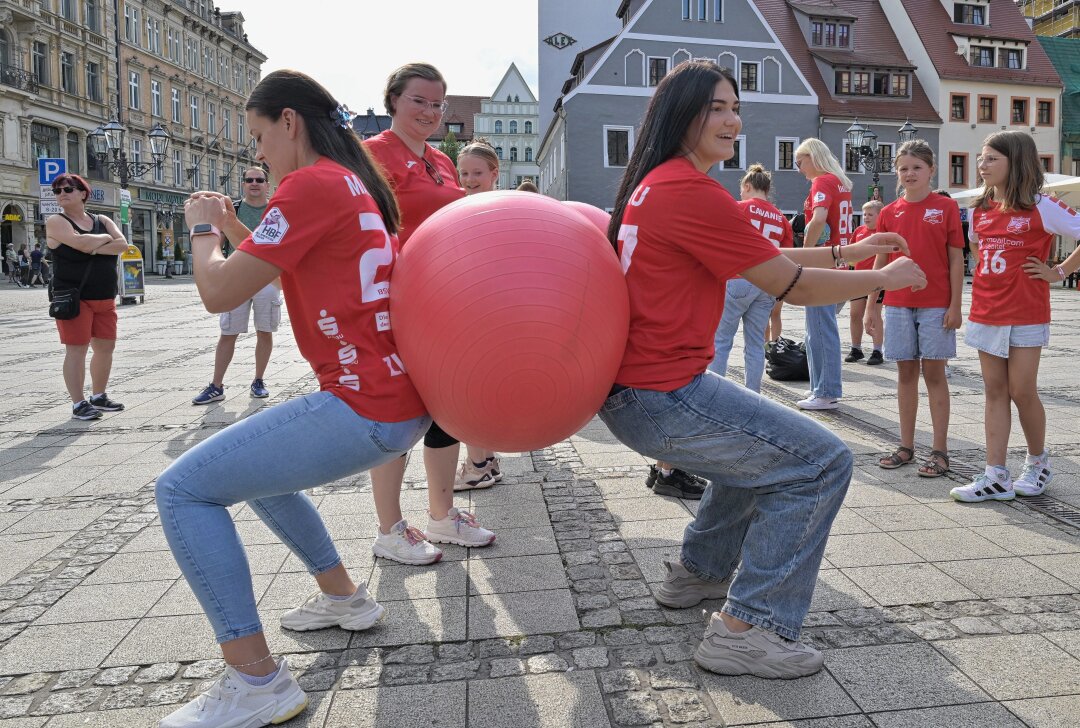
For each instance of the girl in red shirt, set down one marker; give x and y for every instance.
(920, 326)
(778, 477)
(1013, 226)
(872, 326)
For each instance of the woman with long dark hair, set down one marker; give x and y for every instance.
(778, 477)
(329, 233)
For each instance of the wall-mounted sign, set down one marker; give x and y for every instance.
(13, 217)
(559, 41)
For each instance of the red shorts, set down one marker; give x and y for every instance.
(96, 320)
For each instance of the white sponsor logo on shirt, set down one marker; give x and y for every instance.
(933, 217)
(1018, 225)
(382, 321)
(272, 228)
(411, 163)
(819, 197)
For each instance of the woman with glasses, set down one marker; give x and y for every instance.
(424, 180)
(84, 249)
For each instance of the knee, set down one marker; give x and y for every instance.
(76, 351)
(1023, 396)
(103, 346)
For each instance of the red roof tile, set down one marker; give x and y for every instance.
(461, 111)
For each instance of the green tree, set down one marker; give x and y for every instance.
(450, 146)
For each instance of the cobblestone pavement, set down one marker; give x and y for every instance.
(931, 613)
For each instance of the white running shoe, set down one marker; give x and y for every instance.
(494, 469)
(754, 652)
(682, 588)
(818, 403)
(406, 544)
(461, 528)
(1035, 478)
(470, 477)
(318, 611)
(231, 702)
(994, 484)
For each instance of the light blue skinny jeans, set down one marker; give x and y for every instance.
(778, 480)
(744, 302)
(267, 460)
(823, 351)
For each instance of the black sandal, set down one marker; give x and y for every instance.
(891, 462)
(935, 466)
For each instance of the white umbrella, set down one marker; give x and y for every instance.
(1062, 186)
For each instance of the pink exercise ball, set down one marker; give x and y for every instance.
(510, 314)
(593, 214)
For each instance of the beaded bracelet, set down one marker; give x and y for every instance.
(798, 273)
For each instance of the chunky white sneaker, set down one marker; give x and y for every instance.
(818, 403)
(996, 486)
(406, 544)
(461, 528)
(754, 652)
(231, 702)
(358, 612)
(1035, 478)
(682, 588)
(470, 477)
(494, 469)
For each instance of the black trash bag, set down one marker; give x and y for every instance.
(785, 361)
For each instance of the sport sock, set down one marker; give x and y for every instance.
(255, 680)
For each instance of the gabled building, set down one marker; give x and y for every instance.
(509, 119)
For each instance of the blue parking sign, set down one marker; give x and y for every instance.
(50, 169)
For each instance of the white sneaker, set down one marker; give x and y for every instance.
(470, 477)
(461, 528)
(994, 484)
(231, 702)
(754, 652)
(818, 403)
(358, 612)
(1035, 478)
(494, 469)
(406, 544)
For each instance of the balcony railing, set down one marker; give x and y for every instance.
(18, 78)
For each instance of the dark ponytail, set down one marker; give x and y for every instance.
(287, 89)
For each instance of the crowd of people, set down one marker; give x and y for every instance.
(697, 265)
(28, 267)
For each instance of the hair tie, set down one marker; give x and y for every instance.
(342, 116)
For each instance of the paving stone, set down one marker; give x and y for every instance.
(590, 658)
(116, 675)
(635, 708)
(619, 557)
(27, 684)
(412, 655)
(629, 589)
(587, 586)
(601, 618)
(667, 677)
(546, 663)
(622, 637)
(572, 640)
(206, 669)
(634, 656)
(404, 674)
(975, 625)
(663, 635)
(125, 696)
(933, 630)
(317, 680)
(507, 667)
(169, 694)
(536, 644)
(589, 602)
(580, 558)
(553, 700)
(616, 681)
(76, 701)
(860, 617)
(1016, 623)
(455, 652)
(73, 679)
(14, 707)
(21, 614)
(625, 572)
(684, 706)
(643, 616)
(1057, 603)
(903, 613)
(493, 648)
(360, 676)
(1026, 655)
(158, 673)
(976, 715)
(1057, 621)
(455, 671)
(847, 637)
(677, 652)
(886, 634)
(586, 571)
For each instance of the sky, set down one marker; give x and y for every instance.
(351, 47)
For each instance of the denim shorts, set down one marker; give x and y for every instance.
(917, 333)
(996, 340)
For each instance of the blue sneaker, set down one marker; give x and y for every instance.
(258, 389)
(212, 393)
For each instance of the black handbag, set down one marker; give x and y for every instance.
(785, 361)
(64, 302)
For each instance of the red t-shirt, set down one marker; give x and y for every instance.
(325, 233)
(682, 237)
(418, 192)
(1002, 294)
(828, 192)
(930, 227)
(861, 233)
(769, 221)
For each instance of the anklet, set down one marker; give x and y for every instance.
(249, 664)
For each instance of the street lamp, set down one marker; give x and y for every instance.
(109, 140)
(864, 142)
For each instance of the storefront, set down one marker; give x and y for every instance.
(149, 230)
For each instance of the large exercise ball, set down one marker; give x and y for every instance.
(510, 314)
(593, 214)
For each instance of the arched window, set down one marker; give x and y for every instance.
(528, 154)
(498, 151)
(508, 97)
(73, 157)
(498, 126)
(528, 127)
(513, 127)
(516, 99)
(513, 154)
(5, 50)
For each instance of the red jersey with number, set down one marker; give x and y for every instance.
(769, 221)
(930, 227)
(861, 233)
(1002, 293)
(416, 184)
(827, 191)
(325, 233)
(682, 237)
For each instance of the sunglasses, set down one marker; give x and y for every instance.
(68, 190)
(254, 180)
(432, 172)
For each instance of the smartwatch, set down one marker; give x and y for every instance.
(205, 228)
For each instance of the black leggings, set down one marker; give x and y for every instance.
(437, 438)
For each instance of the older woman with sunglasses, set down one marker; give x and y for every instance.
(424, 180)
(84, 249)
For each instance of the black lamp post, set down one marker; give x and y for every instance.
(107, 143)
(165, 217)
(864, 142)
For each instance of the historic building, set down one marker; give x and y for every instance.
(1057, 18)
(509, 119)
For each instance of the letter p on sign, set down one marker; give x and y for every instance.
(49, 169)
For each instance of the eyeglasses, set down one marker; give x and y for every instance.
(432, 172)
(981, 160)
(254, 180)
(438, 107)
(68, 190)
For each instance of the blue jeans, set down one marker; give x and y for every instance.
(778, 480)
(747, 303)
(267, 459)
(823, 351)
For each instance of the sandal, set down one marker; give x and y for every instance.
(891, 462)
(935, 466)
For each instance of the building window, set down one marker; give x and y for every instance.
(133, 89)
(988, 109)
(816, 33)
(131, 24)
(1044, 112)
(136, 151)
(176, 105)
(958, 170)
(1047, 163)
(852, 163)
(93, 81)
(513, 127)
(178, 167)
(748, 76)
(226, 122)
(968, 14)
(196, 173)
(73, 153)
(153, 35)
(830, 34)
(39, 60)
(498, 126)
(67, 72)
(240, 135)
(159, 173)
(93, 16)
(172, 41)
(1012, 58)
(617, 144)
(211, 118)
(67, 10)
(685, 9)
(191, 51)
(738, 159)
(528, 127)
(212, 182)
(155, 98)
(885, 152)
(718, 11)
(785, 153)
(958, 107)
(44, 141)
(513, 154)
(528, 154)
(843, 35)
(982, 56)
(499, 152)
(702, 9)
(657, 70)
(1019, 113)
(195, 112)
